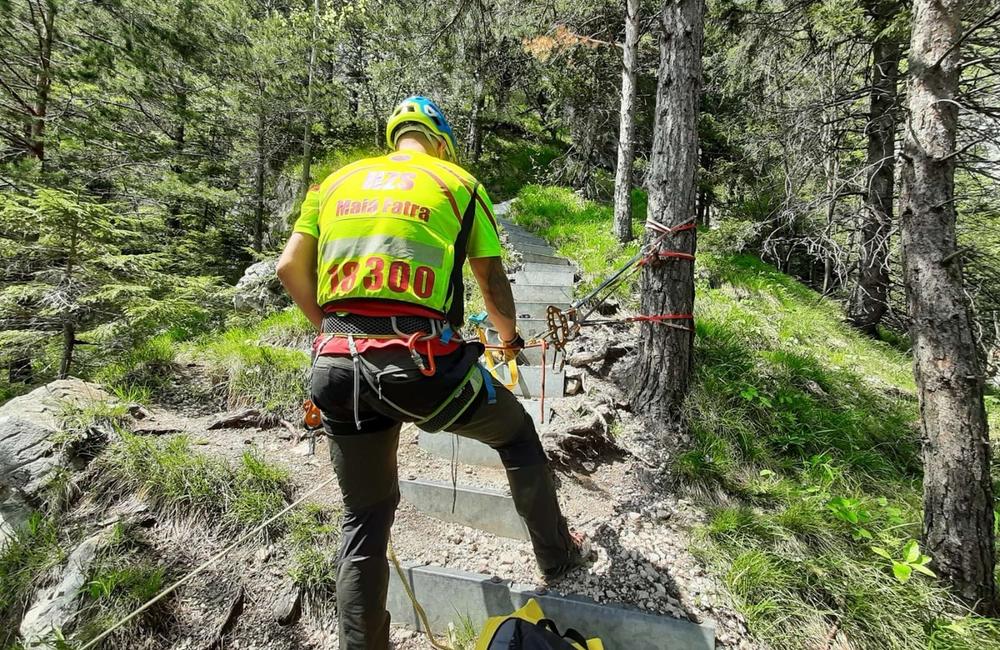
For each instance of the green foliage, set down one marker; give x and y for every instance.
(909, 560)
(462, 634)
(581, 230)
(141, 371)
(808, 428)
(509, 164)
(95, 274)
(125, 575)
(812, 428)
(254, 373)
(180, 481)
(25, 558)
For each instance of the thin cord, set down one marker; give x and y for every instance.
(421, 614)
(103, 635)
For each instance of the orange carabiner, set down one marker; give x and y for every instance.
(313, 417)
(411, 345)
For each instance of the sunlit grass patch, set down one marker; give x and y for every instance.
(255, 374)
(125, 576)
(810, 428)
(142, 371)
(313, 534)
(174, 478)
(805, 451)
(580, 230)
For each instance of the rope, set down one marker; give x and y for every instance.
(659, 318)
(204, 565)
(539, 343)
(421, 614)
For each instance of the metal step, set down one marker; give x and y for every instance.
(535, 249)
(542, 293)
(487, 510)
(451, 595)
(529, 381)
(544, 259)
(529, 326)
(537, 309)
(539, 275)
(466, 450)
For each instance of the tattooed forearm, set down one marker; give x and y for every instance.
(496, 291)
(500, 292)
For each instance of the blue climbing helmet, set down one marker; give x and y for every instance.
(421, 112)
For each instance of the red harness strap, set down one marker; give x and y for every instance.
(659, 318)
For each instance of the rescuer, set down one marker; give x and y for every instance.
(375, 262)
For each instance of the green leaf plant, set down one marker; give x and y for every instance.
(911, 560)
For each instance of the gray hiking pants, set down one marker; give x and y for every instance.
(365, 463)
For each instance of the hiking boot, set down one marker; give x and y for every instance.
(580, 555)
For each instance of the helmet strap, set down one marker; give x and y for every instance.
(434, 138)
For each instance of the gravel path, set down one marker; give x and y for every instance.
(641, 532)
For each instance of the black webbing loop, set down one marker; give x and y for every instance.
(456, 287)
(570, 633)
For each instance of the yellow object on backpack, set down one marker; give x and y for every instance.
(532, 632)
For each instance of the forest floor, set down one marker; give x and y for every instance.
(640, 535)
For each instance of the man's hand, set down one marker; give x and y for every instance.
(512, 348)
(495, 287)
(297, 272)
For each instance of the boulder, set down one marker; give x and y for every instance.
(259, 289)
(28, 454)
(55, 607)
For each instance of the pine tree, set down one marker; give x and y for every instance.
(76, 272)
(958, 487)
(667, 284)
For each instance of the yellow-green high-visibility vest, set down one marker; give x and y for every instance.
(391, 228)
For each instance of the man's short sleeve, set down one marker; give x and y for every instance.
(484, 240)
(308, 221)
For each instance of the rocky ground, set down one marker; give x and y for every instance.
(640, 529)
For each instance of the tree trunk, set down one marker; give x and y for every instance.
(663, 372)
(475, 149)
(179, 142)
(626, 133)
(869, 301)
(958, 495)
(19, 370)
(306, 179)
(43, 81)
(69, 341)
(258, 212)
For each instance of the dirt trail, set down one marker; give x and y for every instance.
(640, 531)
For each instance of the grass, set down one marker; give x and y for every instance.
(25, 559)
(463, 634)
(263, 365)
(175, 479)
(580, 230)
(806, 450)
(123, 577)
(808, 430)
(142, 371)
(313, 534)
